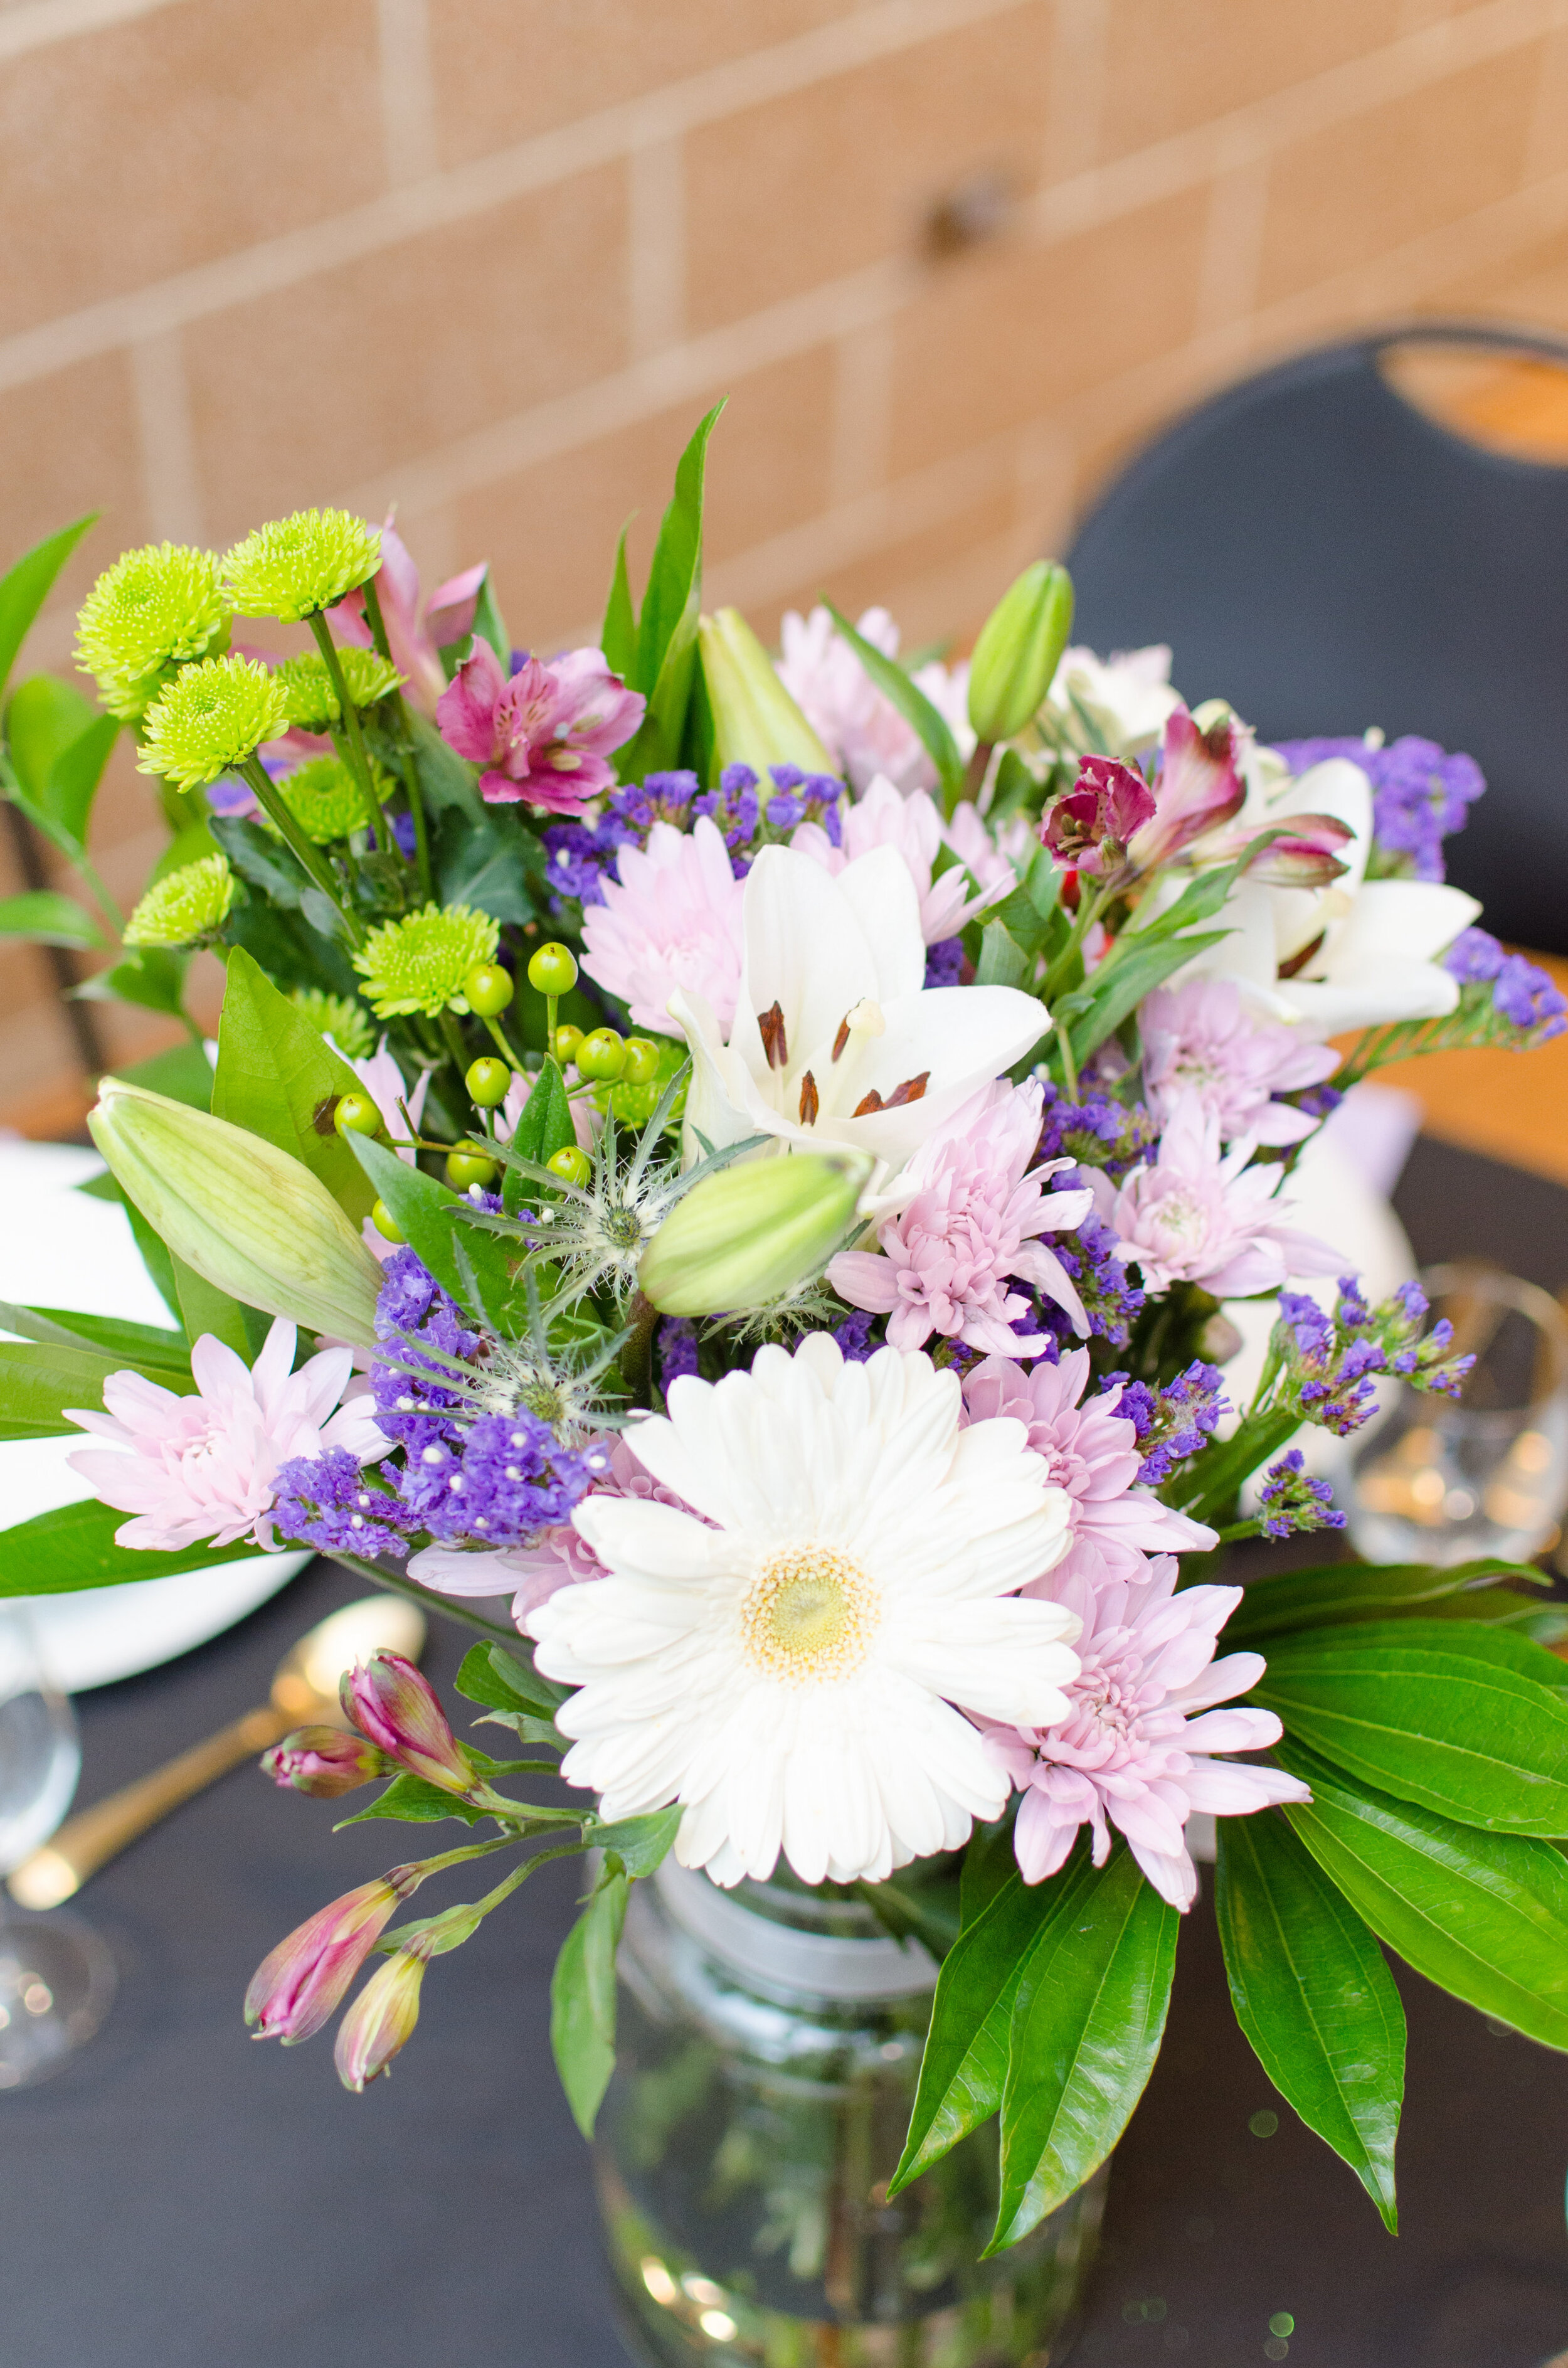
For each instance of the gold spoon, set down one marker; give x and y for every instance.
(304, 1694)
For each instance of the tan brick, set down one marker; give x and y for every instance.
(806, 188)
(505, 69)
(297, 396)
(1533, 287)
(68, 444)
(879, 576)
(1002, 339)
(1352, 192)
(1168, 68)
(551, 530)
(141, 149)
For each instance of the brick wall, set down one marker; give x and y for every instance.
(490, 259)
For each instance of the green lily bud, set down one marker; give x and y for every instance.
(242, 1214)
(755, 721)
(1018, 651)
(748, 1235)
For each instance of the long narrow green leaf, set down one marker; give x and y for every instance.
(911, 702)
(74, 778)
(1132, 970)
(420, 1206)
(278, 1078)
(675, 573)
(144, 1345)
(1336, 1592)
(45, 715)
(1452, 1718)
(617, 635)
(48, 918)
(40, 1379)
(26, 588)
(207, 1310)
(62, 1551)
(1086, 2031)
(1314, 1995)
(1484, 1915)
(582, 2001)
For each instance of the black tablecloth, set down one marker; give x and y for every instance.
(180, 2198)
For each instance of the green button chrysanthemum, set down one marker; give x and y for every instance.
(420, 962)
(210, 717)
(324, 798)
(184, 906)
(153, 609)
(299, 565)
(313, 701)
(340, 1017)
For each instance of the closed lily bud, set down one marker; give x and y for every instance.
(755, 721)
(394, 1708)
(1307, 858)
(383, 2017)
(325, 1761)
(305, 1979)
(1018, 651)
(245, 1216)
(748, 1234)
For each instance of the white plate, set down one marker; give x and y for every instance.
(60, 1248)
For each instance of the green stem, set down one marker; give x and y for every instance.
(637, 1356)
(452, 1040)
(106, 904)
(503, 1047)
(973, 780)
(415, 795)
(359, 762)
(376, 621)
(308, 857)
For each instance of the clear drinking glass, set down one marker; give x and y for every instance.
(1444, 1481)
(56, 1976)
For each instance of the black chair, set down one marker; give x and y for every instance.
(1326, 557)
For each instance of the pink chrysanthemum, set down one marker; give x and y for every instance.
(201, 1467)
(546, 733)
(1091, 1451)
(912, 825)
(850, 715)
(1195, 1217)
(1200, 1038)
(1133, 1750)
(671, 919)
(968, 1230)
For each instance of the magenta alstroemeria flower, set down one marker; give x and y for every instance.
(1197, 787)
(396, 1708)
(383, 2017)
(1090, 829)
(545, 733)
(415, 640)
(304, 1980)
(325, 1761)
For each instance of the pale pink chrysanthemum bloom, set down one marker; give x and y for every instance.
(968, 1229)
(1195, 1215)
(202, 1468)
(851, 717)
(1092, 1451)
(994, 856)
(1200, 1038)
(912, 826)
(670, 918)
(1133, 1750)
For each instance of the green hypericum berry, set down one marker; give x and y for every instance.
(153, 609)
(299, 565)
(357, 1114)
(421, 963)
(325, 798)
(210, 717)
(567, 1039)
(341, 1017)
(641, 1064)
(312, 701)
(385, 1224)
(552, 970)
(571, 1165)
(184, 906)
(601, 1054)
(489, 1082)
(488, 989)
(466, 1167)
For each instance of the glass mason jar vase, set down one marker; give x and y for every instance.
(767, 2050)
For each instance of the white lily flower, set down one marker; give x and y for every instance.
(1127, 697)
(836, 1042)
(1353, 954)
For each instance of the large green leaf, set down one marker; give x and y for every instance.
(48, 918)
(482, 1270)
(1314, 1995)
(151, 976)
(1085, 2030)
(62, 1551)
(38, 1379)
(25, 589)
(582, 2001)
(207, 1310)
(278, 1078)
(143, 1345)
(1336, 1592)
(911, 704)
(66, 806)
(1441, 1713)
(485, 865)
(45, 714)
(666, 635)
(617, 635)
(1483, 1915)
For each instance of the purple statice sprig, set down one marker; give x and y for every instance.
(1326, 1367)
(1506, 1000)
(328, 1502)
(1291, 1503)
(579, 854)
(1172, 1421)
(677, 1339)
(1421, 793)
(1094, 1259)
(1098, 1132)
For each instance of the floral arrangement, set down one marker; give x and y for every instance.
(749, 1159)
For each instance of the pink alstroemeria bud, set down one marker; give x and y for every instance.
(383, 2017)
(1307, 858)
(303, 1982)
(1197, 787)
(396, 1708)
(1090, 827)
(325, 1761)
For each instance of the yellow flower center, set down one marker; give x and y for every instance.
(810, 1613)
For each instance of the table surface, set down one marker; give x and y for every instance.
(180, 2198)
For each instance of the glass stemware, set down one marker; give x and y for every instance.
(56, 1976)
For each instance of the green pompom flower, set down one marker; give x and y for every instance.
(153, 610)
(324, 798)
(313, 701)
(341, 1017)
(184, 907)
(210, 717)
(420, 962)
(299, 565)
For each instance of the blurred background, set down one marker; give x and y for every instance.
(488, 260)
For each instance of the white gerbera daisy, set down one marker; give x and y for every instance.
(783, 1658)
